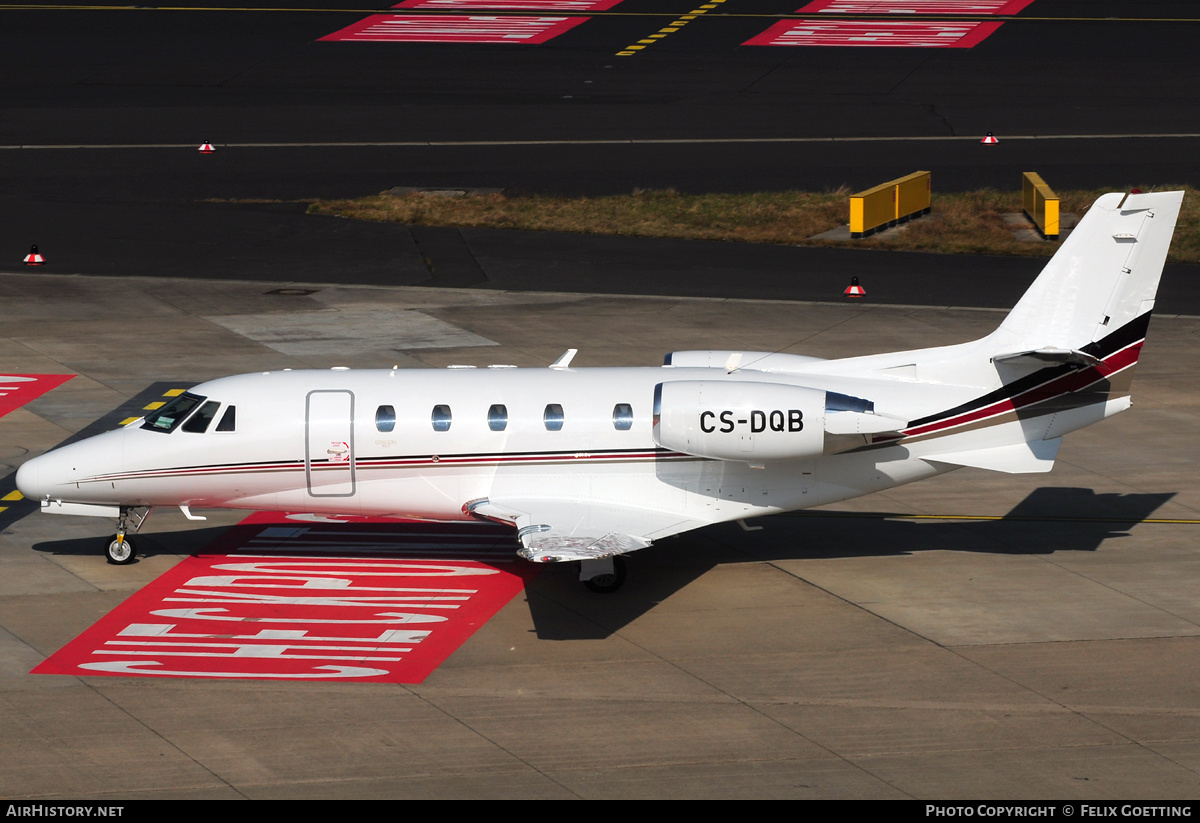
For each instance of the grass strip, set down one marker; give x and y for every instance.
(969, 222)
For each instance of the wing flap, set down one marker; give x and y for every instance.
(554, 530)
(560, 548)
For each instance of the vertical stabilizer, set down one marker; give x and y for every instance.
(1102, 279)
(1065, 354)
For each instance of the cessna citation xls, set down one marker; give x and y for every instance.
(590, 464)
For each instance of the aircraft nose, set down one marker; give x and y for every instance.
(29, 479)
(47, 475)
(57, 473)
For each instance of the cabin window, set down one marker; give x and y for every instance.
(228, 420)
(623, 417)
(553, 417)
(168, 418)
(441, 418)
(385, 418)
(199, 422)
(498, 417)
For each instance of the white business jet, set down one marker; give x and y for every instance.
(591, 464)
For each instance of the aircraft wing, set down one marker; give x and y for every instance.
(556, 530)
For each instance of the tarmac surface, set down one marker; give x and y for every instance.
(896, 647)
(105, 107)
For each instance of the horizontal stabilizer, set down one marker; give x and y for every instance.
(1046, 356)
(560, 549)
(1017, 458)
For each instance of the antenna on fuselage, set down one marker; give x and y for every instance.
(564, 359)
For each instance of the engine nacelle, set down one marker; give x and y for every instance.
(737, 420)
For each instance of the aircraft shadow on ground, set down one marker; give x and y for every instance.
(149, 543)
(1048, 520)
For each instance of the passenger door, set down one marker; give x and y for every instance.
(329, 447)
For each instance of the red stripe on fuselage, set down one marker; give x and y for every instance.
(1054, 387)
(364, 463)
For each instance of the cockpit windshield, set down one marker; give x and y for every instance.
(199, 422)
(168, 418)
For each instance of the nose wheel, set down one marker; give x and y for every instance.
(120, 550)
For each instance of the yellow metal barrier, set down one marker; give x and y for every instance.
(882, 207)
(1040, 204)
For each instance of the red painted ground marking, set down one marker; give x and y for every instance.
(515, 5)
(367, 600)
(874, 33)
(915, 6)
(18, 389)
(436, 28)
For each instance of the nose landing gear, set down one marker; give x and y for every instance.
(120, 550)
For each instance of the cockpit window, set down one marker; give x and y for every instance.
(199, 422)
(228, 420)
(168, 418)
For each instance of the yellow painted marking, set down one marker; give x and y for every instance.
(174, 392)
(13, 495)
(3, 508)
(129, 420)
(665, 30)
(152, 406)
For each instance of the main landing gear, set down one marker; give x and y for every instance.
(120, 550)
(603, 576)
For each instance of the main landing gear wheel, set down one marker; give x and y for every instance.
(608, 582)
(120, 551)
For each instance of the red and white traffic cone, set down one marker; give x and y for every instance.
(855, 290)
(207, 148)
(34, 258)
(989, 140)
